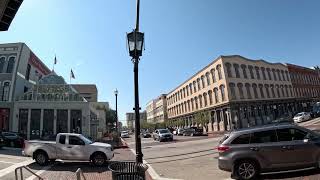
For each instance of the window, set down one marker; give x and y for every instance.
(222, 92)
(190, 86)
(274, 74)
(272, 91)
(208, 78)
(210, 96)
(244, 71)
(286, 90)
(187, 89)
(282, 91)
(191, 104)
(278, 73)
(215, 90)
(269, 74)
(228, 66)
(202, 81)
(236, 69)
(278, 90)
(232, 90)
(196, 102)
(264, 137)
(62, 139)
(200, 101)
(248, 91)
(282, 75)
(240, 88)
(291, 134)
(10, 64)
(213, 75)
(257, 72)
(267, 90)
(5, 91)
(287, 75)
(74, 140)
(28, 72)
(242, 139)
(261, 90)
(198, 83)
(2, 61)
(205, 99)
(251, 72)
(194, 86)
(219, 71)
(263, 73)
(255, 92)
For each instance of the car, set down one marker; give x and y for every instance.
(68, 146)
(303, 116)
(124, 134)
(162, 135)
(12, 139)
(2, 143)
(146, 134)
(272, 148)
(193, 131)
(180, 131)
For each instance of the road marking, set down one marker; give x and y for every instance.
(151, 171)
(40, 172)
(7, 162)
(10, 169)
(12, 157)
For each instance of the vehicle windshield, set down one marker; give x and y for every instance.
(299, 114)
(86, 140)
(164, 131)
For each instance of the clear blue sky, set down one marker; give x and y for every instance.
(182, 36)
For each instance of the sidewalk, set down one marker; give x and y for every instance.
(66, 170)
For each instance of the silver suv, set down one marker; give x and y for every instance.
(247, 153)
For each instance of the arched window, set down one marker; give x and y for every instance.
(5, 91)
(286, 90)
(267, 90)
(215, 91)
(191, 104)
(240, 88)
(222, 92)
(184, 92)
(202, 82)
(244, 71)
(255, 92)
(205, 100)
(196, 102)
(198, 83)
(278, 73)
(236, 69)
(261, 90)
(282, 75)
(187, 90)
(200, 100)
(213, 75)
(287, 75)
(2, 62)
(219, 71)
(194, 86)
(210, 96)
(291, 92)
(190, 86)
(232, 91)
(263, 71)
(251, 72)
(208, 78)
(10, 64)
(278, 91)
(282, 91)
(228, 66)
(257, 72)
(188, 102)
(274, 74)
(248, 90)
(269, 74)
(272, 91)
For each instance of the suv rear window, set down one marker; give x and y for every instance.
(264, 137)
(291, 134)
(242, 139)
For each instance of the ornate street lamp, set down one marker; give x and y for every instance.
(116, 92)
(135, 44)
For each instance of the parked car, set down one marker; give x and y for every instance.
(193, 131)
(162, 135)
(2, 143)
(146, 134)
(267, 149)
(68, 146)
(124, 134)
(180, 131)
(303, 116)
(12, 139)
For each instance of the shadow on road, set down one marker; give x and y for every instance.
(296, 175)
(12, 152)
(158, 162)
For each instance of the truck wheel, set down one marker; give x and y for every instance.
(98, 159)
(41, 158)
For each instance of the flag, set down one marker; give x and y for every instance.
(72, 74)
(55, 59)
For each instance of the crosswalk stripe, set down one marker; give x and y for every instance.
(10, 169)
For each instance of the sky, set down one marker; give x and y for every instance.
(181, 37)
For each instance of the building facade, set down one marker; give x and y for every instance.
(157, 110)
(151, 105)
(8, 10)
(20, 69)
(131, 118)
(88, 91)
(235, 92)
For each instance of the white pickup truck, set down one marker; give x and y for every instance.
(68, 146)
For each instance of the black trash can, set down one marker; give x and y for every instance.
(128, 171)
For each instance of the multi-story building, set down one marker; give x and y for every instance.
(306, 85)
(130, 118)
(8, 10)
(236, 92)
(157, 110)
(88, 91)
(151, 105)
(20, 69)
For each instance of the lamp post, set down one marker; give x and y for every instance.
(135, 44)
(116, 94)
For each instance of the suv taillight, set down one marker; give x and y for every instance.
(223, 148)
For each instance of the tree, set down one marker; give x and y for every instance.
(111, 119)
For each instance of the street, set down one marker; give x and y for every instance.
(191, 158)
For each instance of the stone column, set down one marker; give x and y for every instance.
(215, 123)
(222, 121)
(28, 124)
(55, 121)
(41, 123)
(209, 130)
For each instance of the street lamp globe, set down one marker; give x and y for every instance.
(116, 92)
(135, 43)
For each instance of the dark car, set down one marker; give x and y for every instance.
(2, 143)
(193, 131)
(12, 139)
(272, 148)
